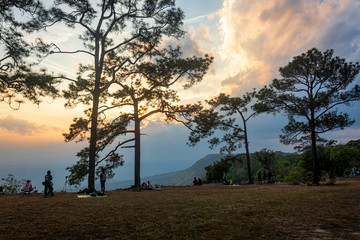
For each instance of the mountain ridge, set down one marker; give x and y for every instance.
(176, 178)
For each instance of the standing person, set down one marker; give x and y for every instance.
(103, 179)
(48, 184)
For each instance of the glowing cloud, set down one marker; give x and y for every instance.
(258, 37)
(20, 126)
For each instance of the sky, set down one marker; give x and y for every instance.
(249, 40)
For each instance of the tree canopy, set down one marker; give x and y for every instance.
(16, 76)
(312, 86)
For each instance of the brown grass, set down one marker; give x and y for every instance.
(276, 211)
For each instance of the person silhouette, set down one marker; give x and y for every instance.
(103, 179)
(48, 184)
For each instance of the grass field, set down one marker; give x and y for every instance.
(277, 211)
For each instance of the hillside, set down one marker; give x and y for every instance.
(178, 178)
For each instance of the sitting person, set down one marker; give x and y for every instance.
(195, 181)
(199, 182)
(28, 187)
(149, 185)
(1, 189)
(225, 181)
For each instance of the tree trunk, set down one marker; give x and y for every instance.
(98, 62)
(92, 148)
(247, 154)
(246, 142)
(137, 147)
(316, 170)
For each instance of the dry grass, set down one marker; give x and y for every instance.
(277, 211)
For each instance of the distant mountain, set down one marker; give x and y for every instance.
(178, 178)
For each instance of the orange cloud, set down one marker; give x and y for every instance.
(18, 130)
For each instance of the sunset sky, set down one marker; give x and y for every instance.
(249, 39)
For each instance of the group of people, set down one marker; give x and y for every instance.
(227, 181)
(355, 171)
(147, 186)
(197, 181)
(48, 186)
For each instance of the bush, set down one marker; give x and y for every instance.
(12, 185)
(293, 179)
(296, 175)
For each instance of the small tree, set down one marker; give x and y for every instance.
(223, 118)
(217, 171)
(312, 86)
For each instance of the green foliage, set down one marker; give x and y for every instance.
(341, 158)
(11, 185)
(217, 171)
(237, 175)
(297, 174)
(295, 168)
(334, 160)
(266, 158)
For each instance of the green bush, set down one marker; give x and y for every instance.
(293, 178)
(296, 175)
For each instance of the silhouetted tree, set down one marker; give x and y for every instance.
(16, 76)
(152, 90)
(312, 86)
(118, 38)
(224, 116)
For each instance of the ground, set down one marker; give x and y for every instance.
(269, 211)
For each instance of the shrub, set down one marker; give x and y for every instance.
(12, 185)
(296, 175)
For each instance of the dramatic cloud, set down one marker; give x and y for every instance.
(258, 37)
